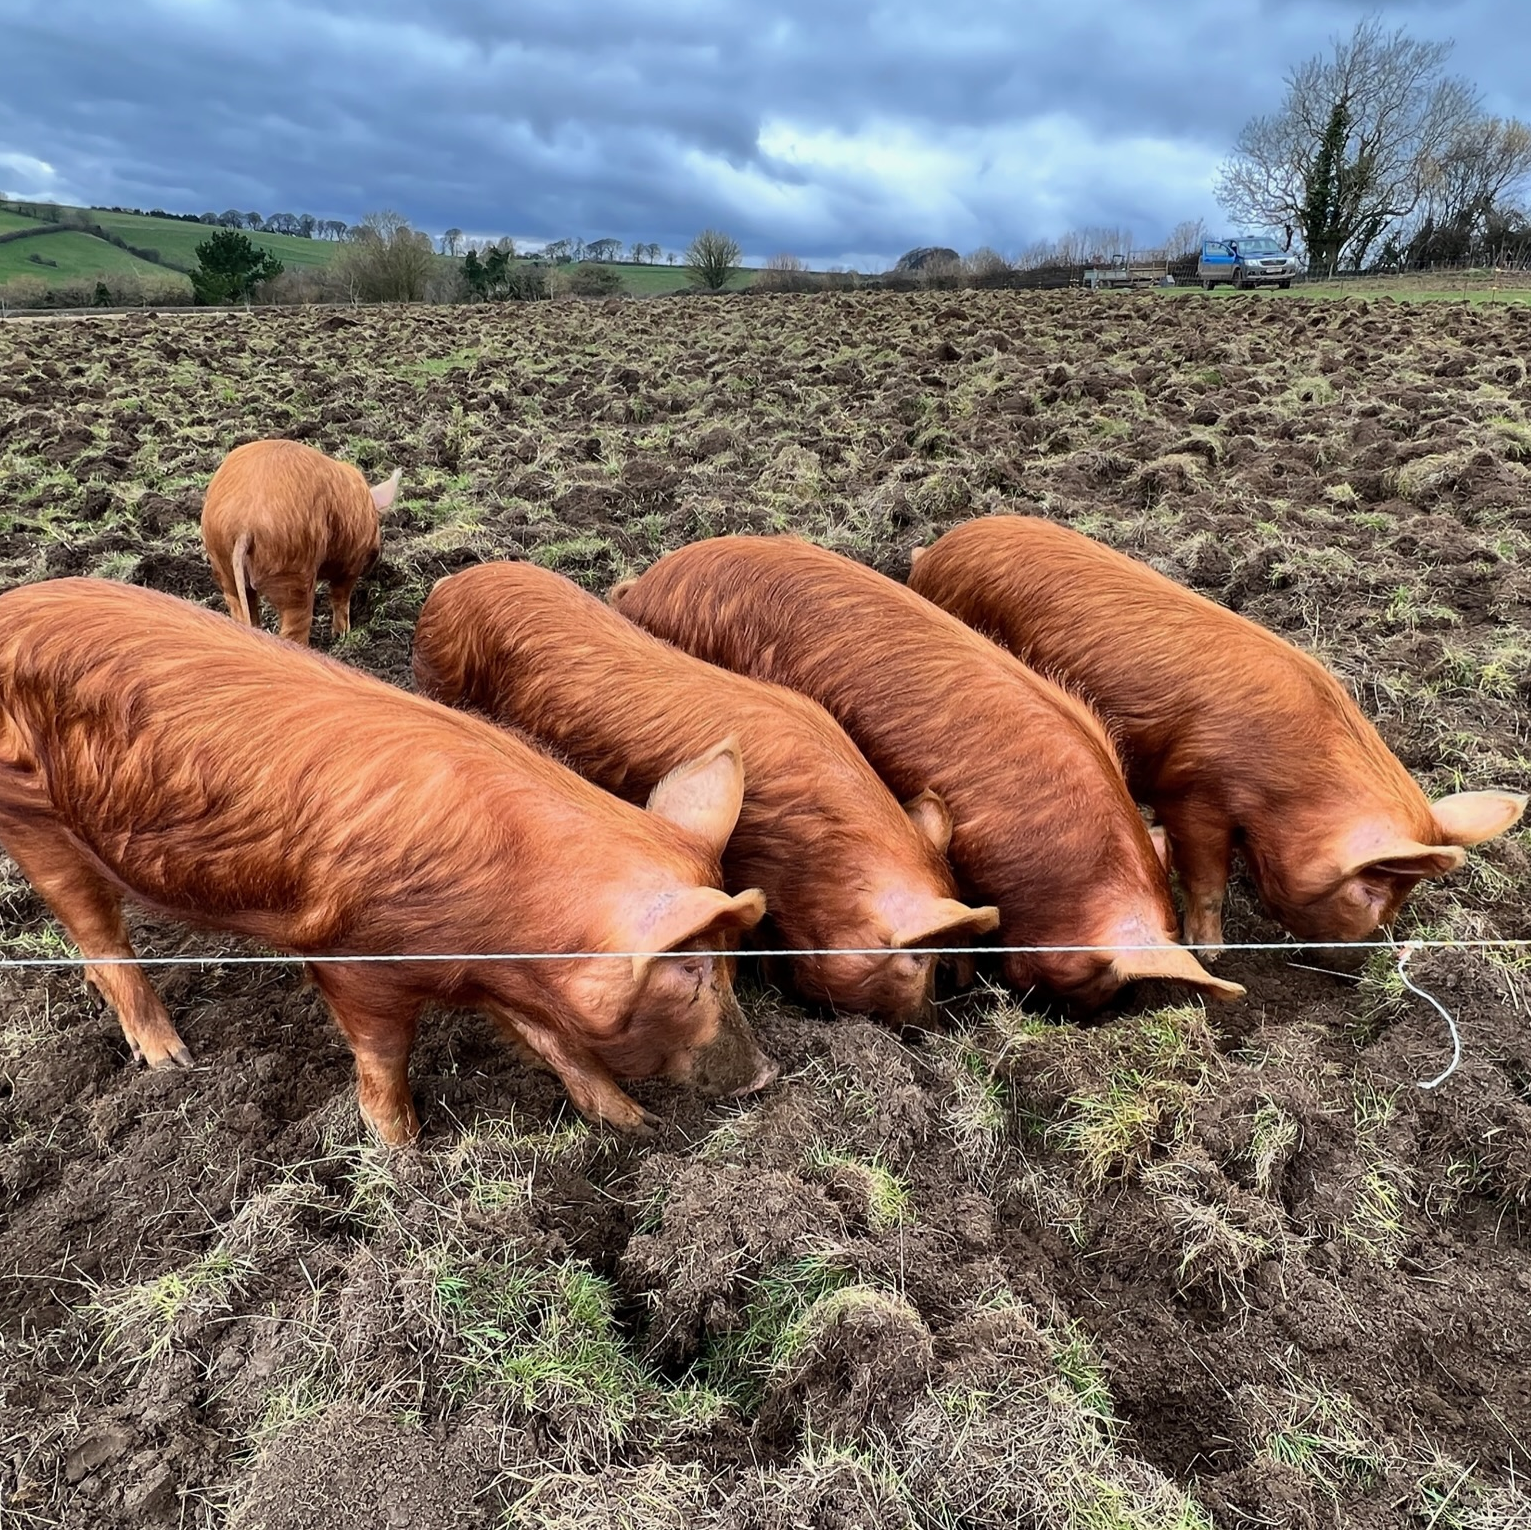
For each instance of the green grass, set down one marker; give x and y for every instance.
(177, 242)
(80, 254)
(648, 281)
(1405, 289)
(76, 255)
(775, 1325)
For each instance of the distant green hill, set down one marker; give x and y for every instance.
(63, 253)
(71, 255)
(70, 250)
(177, 241)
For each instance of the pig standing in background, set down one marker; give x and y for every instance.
(1042, 824)
(1234, 737)
(150, 749)
(280, 516)
(840, 862)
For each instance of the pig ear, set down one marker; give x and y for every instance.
(1469, 818)
(615, 594)
(946, 921)
(701, 914)
(916, 555)
(383, 493)
(1160, 836)
(1175, 964)
(704, 795)
(1407, 858)
(931, 816)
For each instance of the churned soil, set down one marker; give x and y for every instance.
(1176, 1268)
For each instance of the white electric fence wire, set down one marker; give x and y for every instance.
(790, 953)
(1404, 953)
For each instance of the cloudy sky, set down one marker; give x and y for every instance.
(839, 130)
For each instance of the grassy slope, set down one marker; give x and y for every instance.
(75, 255)
(177, 242)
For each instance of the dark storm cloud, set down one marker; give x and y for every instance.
(830, 128)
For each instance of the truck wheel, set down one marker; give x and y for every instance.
(1207, 286)
(1284, 285)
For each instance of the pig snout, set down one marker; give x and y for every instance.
(769, 1072)
(732, 1064)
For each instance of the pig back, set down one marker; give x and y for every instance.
(927, 700)
(1201, 698)
(530, 649)
(303, 508)
(222, 773)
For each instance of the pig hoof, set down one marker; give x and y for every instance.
(170, 1053)
(393, 1135)
(638, 1123)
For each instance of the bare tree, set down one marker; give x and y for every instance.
(1185, 239)
(1475, 175)
(450, 241)
(603, 249)
(1350, 151)
(711, 260)
(785, 273)
(385, 261)
(986, 264)
(252, 220)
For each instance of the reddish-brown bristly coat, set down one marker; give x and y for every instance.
(1236, 738)
(280, 516)
(153, 750)
(842, 865)
(1042, 822)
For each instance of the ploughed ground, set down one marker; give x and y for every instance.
(1178, 1268)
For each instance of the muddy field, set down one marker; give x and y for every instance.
(1177, 1269)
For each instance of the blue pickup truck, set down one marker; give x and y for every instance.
(1251, 262)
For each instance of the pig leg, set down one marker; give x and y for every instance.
(294, 602)
(90, 908)
(593, 1091)
(340, 605)
(380, 1025)
(232, 601)
(1201, 852)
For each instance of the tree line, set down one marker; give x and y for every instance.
(384, 259)
(1377, 158)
